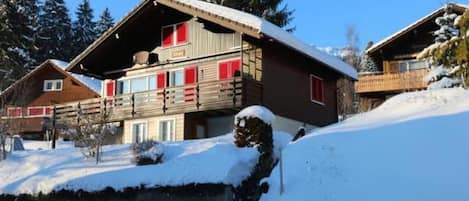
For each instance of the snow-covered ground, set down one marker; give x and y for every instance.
(413, 147)
(212, 161)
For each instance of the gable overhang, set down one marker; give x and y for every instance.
(256, 33)
(426, 19)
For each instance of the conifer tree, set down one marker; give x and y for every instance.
(54, 32)
(366, 62)
(267, 9)
(446, 68)
(83, 28)
(18, 39)
(104, 23)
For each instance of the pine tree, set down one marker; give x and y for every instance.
(104, 23)
(442, 55)
(367, 65)
(83, 28)
(267, 9)
(18, 39)
(54, 32)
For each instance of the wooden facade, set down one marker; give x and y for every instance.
(199, 66)
(399, 71)
(33, 105)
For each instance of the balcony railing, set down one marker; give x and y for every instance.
(408, 80)
(202, 96)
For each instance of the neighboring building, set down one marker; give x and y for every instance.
(399, 71)
(181, 69)
(27, 104)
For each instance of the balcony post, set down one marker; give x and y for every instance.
(197, 96)
(54, 118)
(234, 91)
(132, 100)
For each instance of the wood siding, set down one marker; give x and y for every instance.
(152, 127)
(286, 83)
(204, 39)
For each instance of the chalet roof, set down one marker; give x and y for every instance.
(59, 66)
(91, 82)
(411, 27)
(246, 23)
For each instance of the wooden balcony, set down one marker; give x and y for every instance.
(391, 82)
(202, 96)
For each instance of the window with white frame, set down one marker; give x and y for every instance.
(175, 34)
(53, 85)
(139, 132)
(167, 130)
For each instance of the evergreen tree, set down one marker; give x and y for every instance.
(104, 23)
(84, 28)
(442, 55)
(267, 9)
(18, 39)
(54, 32)
(366, 62)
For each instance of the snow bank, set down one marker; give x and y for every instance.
(207, 161)
(413, 147)
(256, 111)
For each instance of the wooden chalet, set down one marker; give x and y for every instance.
(28, 103)
(399, 71)
(181, 69)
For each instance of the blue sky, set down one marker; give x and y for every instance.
(323, 23)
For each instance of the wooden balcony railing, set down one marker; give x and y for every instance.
(202, 96)
(409, 80)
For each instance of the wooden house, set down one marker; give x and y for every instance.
(181, 69)
(27, 103)
(395, 57)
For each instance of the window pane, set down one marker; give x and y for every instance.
(177, 78)
(139, 132)
(151, 82)
(167, 130)
(49, 85)
(139, 84)
(58, 85)
(415, 65)
(126, 87)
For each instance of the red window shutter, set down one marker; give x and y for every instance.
(111, 88)
(14, 112)
(317, 89)
(182, 33)
(190, 75)
(48, 111)
(223, 71)
(36, 111)
(161, 80)
(235, 67)
(167, 34)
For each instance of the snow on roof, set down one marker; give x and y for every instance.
(91, 82)
(208, 161)
(260, 112)
(267, 28)
(414, 142)
(408, 28)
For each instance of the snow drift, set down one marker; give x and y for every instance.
(413, 147)
(207, 161)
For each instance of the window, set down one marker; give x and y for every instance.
(139, 132)
(407, 65)
(175, 34)
(229, 69)
(138, 84)
(14, 112)
(317, 89)
(167, 130)
(177, 78)
(53, 85)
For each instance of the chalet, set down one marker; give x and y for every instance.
(181, 69)
(395, 57)
(27, 103)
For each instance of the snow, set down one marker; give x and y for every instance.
(207, 161)
(445, 82)
(91, 82)
(256, 111)
(273, 31)
(413, 147)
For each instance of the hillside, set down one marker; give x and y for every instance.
(413, 147)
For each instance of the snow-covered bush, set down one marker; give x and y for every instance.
(147, 153)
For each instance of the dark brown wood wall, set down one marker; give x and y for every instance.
(286, 82)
